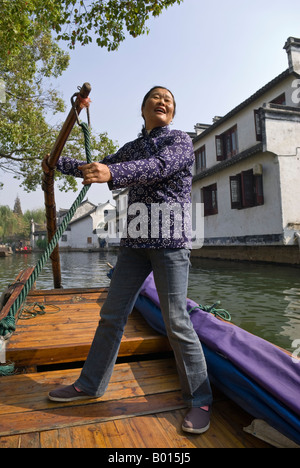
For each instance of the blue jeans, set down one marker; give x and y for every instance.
(170, 269)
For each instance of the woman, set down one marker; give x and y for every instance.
(157, 169)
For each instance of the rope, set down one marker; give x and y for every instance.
(221, 313)
(35, 309)
(8, 324)
(6, 369)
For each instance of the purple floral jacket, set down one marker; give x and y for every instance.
(157, 169)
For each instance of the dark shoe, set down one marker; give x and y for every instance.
(196, 421)
(68, 393)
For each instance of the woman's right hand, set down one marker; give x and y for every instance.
(95, 173)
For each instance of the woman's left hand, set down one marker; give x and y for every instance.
(95, 173)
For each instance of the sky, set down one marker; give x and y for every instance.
(211, 55)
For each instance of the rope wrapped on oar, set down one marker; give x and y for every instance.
(8, 323)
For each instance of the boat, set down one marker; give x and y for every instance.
(142, 407)
(5, 250)
(23, 250)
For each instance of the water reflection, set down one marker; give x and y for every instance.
(292, 314)
(263, 299)
(78, 269)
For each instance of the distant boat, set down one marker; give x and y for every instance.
(5, 251)
(24, 250)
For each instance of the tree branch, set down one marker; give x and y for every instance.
(20, 159)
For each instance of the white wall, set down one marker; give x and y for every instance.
(245, 122)
(77, 238)
(283, 138)
(280, 160)
(257, 220)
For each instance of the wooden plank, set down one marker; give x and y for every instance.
(65, 335)
(67, 291)
(133, 432)
(64, 352)
(141, 408)
(54, 439)
(67, 295)
(28, 392)
(92, 413)
(134, 389)
(17, 286)
(10, 442)
(70, 352)
(171, 425)
(150, 432)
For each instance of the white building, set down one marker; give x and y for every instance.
(38, 233)
(117, 218)
(247, 171)
(88, 228)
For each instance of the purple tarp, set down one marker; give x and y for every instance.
(268, 365)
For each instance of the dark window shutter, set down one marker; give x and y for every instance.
(228, 145)
(220, 148)
(259, 189)
(258, 125)
(200, 156)
(210, 200)
(234, 142)
(235, 192)
(248, 198)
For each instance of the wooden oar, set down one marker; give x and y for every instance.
(48, 178)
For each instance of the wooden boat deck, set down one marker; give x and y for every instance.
(142, 406)
(65, 335)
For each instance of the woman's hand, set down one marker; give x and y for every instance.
(95, 173)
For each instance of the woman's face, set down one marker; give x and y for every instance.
(158, 110)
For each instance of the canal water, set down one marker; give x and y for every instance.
(263, 299)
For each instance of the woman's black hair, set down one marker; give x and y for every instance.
(163, 87)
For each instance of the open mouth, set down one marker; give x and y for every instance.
(160, 110)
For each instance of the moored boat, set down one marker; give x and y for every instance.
(5, 250)
(23, 250)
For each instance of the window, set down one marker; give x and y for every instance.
(89, 240)
(64, 238)
(209, 197)
(280, 100)
(200, 157)
(227, 144)
(246, 190)
(235, 191)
